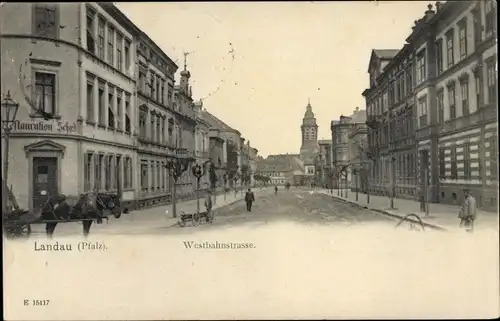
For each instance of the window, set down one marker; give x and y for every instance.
(90, 31)
(158, 132)
(158, 175)
(107, 172)
(45, 20)
(477, 25)
(142, 81)
(45, 92)
(87, 172)
(111, 113)
(454, 170)
(100, 35)
(163, 178)
(111, 42)
(116, 172)
(490, 18)
(127, 173)
(162, 94)
(439, 56)
(90, 100)
(464, 90)
(491, 81)
(127, 54)
(170, 93)
(462, 38)
(98, 171)
(493, 158)
(170, 130)
(440, 106)
(142, 124)
(119, 44)
(102, 109)
(157, 97)
(409, 79)
(144, 176)
(152, 128)
(449, 48)
(479, 86)
(467, 169)
(422, 112)
(442, 168)
(152, 85)
(421, 67)
(127, 113)
(153, 168)
(119, 110)
(451, 101)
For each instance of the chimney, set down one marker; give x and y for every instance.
(356, 110)
(429, 13)
(438, 6)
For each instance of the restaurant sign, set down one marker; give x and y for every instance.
(54, 126)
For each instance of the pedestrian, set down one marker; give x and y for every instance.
(249, 199)
(208, 201)
(467, 213)
(275, 190)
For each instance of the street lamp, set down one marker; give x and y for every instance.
(198, 172)
(236, 178)
(225, 177)
(9, 113)
(177, 166)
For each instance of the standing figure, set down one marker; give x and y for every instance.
(208, 201)
(467, 213)
(249, 199)
(275, 190)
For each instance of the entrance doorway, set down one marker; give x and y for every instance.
(44, 179)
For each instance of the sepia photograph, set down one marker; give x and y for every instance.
(250, 160)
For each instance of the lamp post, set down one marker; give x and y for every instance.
(9, 113)
(198, 172)
(236, 178)
(225, 176)
(177, 166)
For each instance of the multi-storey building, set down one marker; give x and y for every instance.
(281, 168)
(309, 148)
(357, 156)
(390, 116)
(451, 78)
(156, 121)
(325, 163)
(202, 143)
(341, 161)
(76, 66)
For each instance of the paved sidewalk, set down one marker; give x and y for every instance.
(441, 216)
(164, 213)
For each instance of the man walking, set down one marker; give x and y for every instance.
(249, 199)
(467, 213)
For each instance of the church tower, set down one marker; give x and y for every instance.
(309, 129)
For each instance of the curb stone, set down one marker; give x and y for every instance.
(393, 215)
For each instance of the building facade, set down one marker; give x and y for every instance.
(325, 173)
(390, 119)
(450, 73)
(341, 157)
(357, 156)
(309, 148)
(83, 80)
(202, 143)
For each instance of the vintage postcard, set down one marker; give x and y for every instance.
(249, 160)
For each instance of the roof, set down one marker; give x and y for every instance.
(281, 163)
(216, 122)
(384, 54)
(359, 116)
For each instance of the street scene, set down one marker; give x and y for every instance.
(342, 154)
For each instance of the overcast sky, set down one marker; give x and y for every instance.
(255, 64)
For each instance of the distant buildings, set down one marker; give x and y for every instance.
(281, 168)
(344, 161)
(325, 160)
(432, 108)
